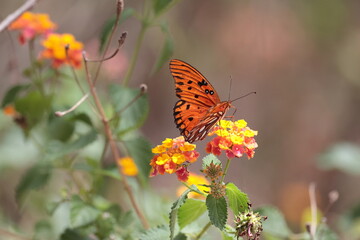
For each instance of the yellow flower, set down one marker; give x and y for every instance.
(162, 159)
(178, 158)
(240, 123)
(62, 49)
(197, 180)
(167, 143)
(187, 147)
(159, 149)
(128, 166)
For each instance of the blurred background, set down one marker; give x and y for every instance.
(301, 57)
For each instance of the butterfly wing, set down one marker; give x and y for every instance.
(195, 113)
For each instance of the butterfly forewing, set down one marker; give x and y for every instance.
(199, 107)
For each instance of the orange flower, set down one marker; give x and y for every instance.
(31, 25)
(235, 138)
(128, 166)
(62, 48)
(197, 180)
(173, 156)
(9, 110)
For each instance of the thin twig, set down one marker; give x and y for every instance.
(119, 9)
(113, 146)
(120, 43)
(13, 16)
(60, 114)
(313, 207)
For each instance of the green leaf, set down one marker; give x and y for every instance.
(60, 129)
(160, 5)
(217, 211)
(35, 178)
(342, 156)
(140, 150)
(324, 232)
(72, 234)
(180, 236)
(12, 93)
(81, 117)
(155, 233)
(190, 211)
(56, 149)
(82, 213)
(130, 116)
(33, 107)
(211, 158)
(275, 224)
(107, 28)
(43, 230)
(238, 201)
(166, 52)
(174, 208)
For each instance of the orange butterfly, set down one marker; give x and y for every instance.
(199, 107)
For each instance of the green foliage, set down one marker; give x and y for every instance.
(217, 209)
(71, 234)
(160, 232)
(238, 201)
(160, 6)
(109, 24)
(12, 94)
(166, 52)
(191, 210)
(34, 178)
(275, 225)
(341, 156)
(129, 116)
(140, 150)
(174, 209)
(82, 213)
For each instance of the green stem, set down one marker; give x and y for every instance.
(226, 169)
(135, 55)
(205, 228)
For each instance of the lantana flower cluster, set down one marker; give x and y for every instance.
(59, 48)
(173, 156)
(235, 138)
(31, 25)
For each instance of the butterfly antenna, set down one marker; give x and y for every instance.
(230, 88)
(243, 96)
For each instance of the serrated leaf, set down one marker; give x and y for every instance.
(211, 158)
(81, 213)
(157, 233)
(72, 234)
(217, 209)
(238, 201)
(107, 28)
(174, 208)
(160, 5)
(275, 224)
(140, 150)
(12, 93)
(35, 178)
(56, 149)
(134, 114)
(191, 210)
(343, 156)
(165, 54)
